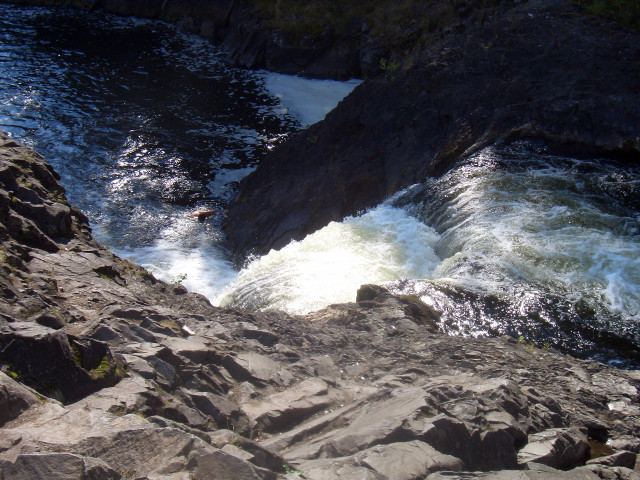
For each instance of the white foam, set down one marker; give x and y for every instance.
(189, 253)
(329, 265)
(507, 232)
(306, 99)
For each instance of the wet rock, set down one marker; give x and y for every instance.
(369, 292)
(142, 8)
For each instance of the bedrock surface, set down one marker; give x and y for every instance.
(123, 376)
(542, 70)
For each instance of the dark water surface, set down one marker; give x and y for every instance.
(138, 118)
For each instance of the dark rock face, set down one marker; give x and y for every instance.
(54, 364)
(235, 26)
(368, 389)
(542, 70)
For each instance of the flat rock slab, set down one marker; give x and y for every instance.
(534, 472)
(373, 424)
(396, 461)
(255, 367)
(289, 406)
(220, 466)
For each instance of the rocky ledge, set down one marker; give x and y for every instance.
(239, 29)
(541, 70)
(108, 373)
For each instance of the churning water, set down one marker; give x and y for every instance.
(145, 123)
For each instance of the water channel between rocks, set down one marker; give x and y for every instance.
(145, 123)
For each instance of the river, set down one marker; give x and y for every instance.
(145, 123)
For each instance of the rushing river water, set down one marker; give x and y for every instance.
(145, 123)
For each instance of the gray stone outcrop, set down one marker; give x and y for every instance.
(542, 70)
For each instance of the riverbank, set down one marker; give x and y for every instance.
(109, 373)
(321, 39)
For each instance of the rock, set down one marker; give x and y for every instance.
(557, 448)
(59, 466)
(370, 56)
(283, 57)
(260, 456)
(396, 129)
(265, 337)
(619, 459)
(142, 8)
(359, 390)
(376, 423)
(289, 407)
(406, 461)
(14, 399)
(222, 466)
(613, 473)
(625, 442)
(496, 450)
(139, 451)
(51, 321)
(55, 364)
(256, 367)
(327, 470)
(533, 472)
(370, 292)
(226, 413)
(397, 461)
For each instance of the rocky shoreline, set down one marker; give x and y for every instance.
(108, 373)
